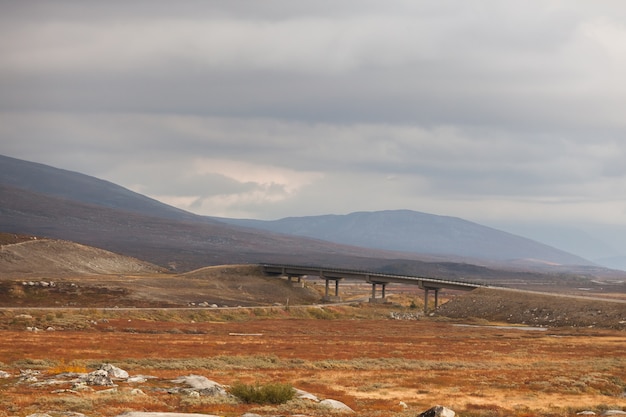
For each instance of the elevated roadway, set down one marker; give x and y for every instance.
(371, 277)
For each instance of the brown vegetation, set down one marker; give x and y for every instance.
(354, 354)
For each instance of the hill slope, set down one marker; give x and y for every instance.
(411, 231)
(103, 215)
(46, 258)
(73, 186)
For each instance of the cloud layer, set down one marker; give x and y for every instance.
(486, 110)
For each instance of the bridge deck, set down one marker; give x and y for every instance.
(368, 276)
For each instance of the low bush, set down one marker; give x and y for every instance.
(272, 393)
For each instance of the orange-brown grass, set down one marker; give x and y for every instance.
(369, 364)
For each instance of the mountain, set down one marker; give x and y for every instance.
(73, 186)
(416, 232)
(48, 202)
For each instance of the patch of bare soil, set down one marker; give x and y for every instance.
(525, 307)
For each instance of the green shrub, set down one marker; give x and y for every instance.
(272, 393)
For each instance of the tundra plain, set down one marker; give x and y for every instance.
(371, 357)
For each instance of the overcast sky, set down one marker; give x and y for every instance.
(485, 110)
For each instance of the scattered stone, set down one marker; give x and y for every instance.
(81, 386)
(202, 385)
(99, 377)
(28, 376)
(137, 391)
(108, 391)
(336, 405)
(305, 395)
(437, 411)
(113, 371)
(137, 379)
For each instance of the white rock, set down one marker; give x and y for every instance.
(437, 411)
(613, 413)
(114, 371)
(4, 374)
(305, 395)
(336, 405)
(137, 379)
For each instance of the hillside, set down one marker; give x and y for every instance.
(411, 231)
(44, 258)
(74, 207)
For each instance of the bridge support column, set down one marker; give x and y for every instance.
(436, 290)
(373, 298)
(331, 298)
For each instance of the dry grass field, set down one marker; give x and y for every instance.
(354, 354)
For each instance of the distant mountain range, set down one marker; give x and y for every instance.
(45, 201)
(415, 232)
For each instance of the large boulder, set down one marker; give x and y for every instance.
(113, 371)
(99, 377)
(437, 411)
(201, 385)
(336, 405)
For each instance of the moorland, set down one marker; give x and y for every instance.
(491, 352)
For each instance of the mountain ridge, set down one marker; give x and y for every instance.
(184, 241)
(396, 230)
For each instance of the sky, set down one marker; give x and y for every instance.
(493, 111)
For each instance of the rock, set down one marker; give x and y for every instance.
(251, 415)
(403, 405)
(99, 377)
(613, 413)
(305, 395)
(28, 376)
(202, 385)
(336, 405)
(437, 411)
(137, 391)
(113, 371)
(4, 374)
(137, 379)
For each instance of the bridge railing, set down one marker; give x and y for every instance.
(312, 269)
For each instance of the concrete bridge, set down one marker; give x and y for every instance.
(374, 278)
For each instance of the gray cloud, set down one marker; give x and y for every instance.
(485, 110)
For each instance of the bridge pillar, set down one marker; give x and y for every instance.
(331, 298)
(436, 290)
(373, 298)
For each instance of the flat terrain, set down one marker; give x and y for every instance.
(354, 354)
